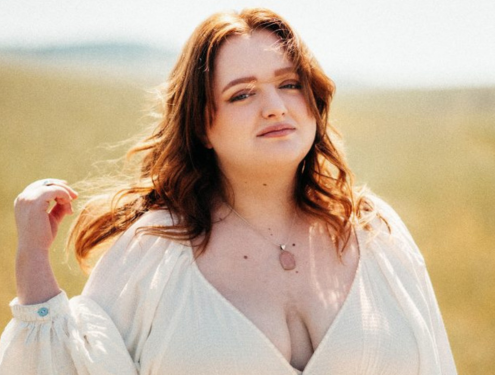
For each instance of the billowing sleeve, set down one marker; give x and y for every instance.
(62, 337)
(103, 330)
(404, 265)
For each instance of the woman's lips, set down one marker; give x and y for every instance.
(276, 131)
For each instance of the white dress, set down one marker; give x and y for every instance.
(147, 309)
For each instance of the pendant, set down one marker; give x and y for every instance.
(287, 260)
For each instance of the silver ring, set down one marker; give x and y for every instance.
(47, 183)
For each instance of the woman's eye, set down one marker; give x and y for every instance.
(291, 86)
(239, 97)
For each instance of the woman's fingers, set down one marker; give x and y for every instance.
(45, 182)
(57, 213)
(37, 221)
(52, 182)
(41, 198)
(73, 194)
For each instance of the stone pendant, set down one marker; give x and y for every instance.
(287, 260)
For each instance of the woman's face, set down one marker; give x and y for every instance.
(262, 120)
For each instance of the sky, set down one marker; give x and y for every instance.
(405, 43)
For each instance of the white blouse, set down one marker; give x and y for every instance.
(147, 309)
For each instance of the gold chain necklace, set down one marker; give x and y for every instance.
(286, 258)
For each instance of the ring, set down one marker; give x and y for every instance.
(47, 183)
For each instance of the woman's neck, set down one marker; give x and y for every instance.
(262, 197)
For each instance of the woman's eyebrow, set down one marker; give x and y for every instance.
(237, 81)
(278, 72)
(282, 71)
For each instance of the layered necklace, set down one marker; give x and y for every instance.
(286, 258)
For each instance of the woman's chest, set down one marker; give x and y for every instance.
(292, 309)
(197, 330)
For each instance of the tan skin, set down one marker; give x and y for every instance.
(261, 131)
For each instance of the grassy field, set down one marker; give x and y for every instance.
(431, 154)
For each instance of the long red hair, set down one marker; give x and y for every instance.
(179, 174)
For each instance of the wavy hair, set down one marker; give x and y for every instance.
(179, 174)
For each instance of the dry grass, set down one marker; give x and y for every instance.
(431, 154)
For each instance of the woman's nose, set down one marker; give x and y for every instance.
(273, 104)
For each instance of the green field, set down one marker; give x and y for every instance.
(431, 154)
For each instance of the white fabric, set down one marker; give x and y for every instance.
(147, 309)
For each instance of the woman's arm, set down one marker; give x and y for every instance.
(39, 210)
(48, 334)
(411, 283)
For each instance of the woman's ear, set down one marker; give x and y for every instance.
(206, 142)
(203, 137)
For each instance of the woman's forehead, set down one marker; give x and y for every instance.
(257, 54)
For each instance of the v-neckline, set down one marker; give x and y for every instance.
(262, 335)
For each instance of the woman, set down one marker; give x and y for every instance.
(242, 248)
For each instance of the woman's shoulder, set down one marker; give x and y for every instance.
(385, 211)
(140, 229)
(135, 260)
(155, 217)
(388, 235)
(138, 249)
(130, 277)
(381, 216)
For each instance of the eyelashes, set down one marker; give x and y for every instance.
(239, 97)
(292, 86)
(245, 94)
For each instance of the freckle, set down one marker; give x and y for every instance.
(245, 256)
(265, 185)
(297, 271)
(293, 244)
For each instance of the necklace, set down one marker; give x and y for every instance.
(286, 258)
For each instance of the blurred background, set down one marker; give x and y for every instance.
(415, 102)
